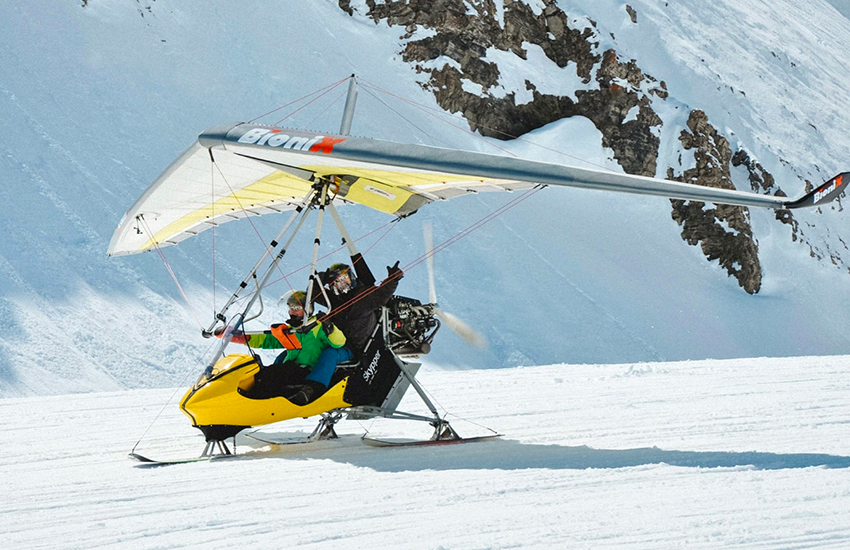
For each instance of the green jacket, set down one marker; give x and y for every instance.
(312, 343)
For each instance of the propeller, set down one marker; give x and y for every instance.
(457, 326)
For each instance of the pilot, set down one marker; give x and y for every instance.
(355, 300)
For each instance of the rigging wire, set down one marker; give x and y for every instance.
(214, 166)
(477, 225)
(439, 114)
(445, 244)
(427, 109)
(331, 104)
(331, 86)
(322, 92)
(401, 116)
(417, 261)
(170, 399)
(248, 217)
(331, 253)
(158, 249)
(392, 225)
(197, 319)
(337, 249)
(311, 101)
(466, 419)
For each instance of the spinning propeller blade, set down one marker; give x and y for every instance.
(457, 326)
(429, 258)
(460, 328)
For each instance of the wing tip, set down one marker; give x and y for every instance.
(824, 193)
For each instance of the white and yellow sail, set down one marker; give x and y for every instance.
(240, 170)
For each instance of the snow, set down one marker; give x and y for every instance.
(735, 62)
(843, 6)
(745, 453)
(538, 69)
(615, 446)
(96, 112)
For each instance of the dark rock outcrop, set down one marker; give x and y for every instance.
(466, 37)
(618, 98)
(723, 232)
(761, 181)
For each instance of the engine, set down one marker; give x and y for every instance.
(409, 326)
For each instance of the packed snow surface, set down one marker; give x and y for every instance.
(734, 453)
(746, 453)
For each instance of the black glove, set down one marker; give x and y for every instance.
(326, 323)
(394, 272)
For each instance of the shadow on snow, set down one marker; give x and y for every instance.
(513, 455)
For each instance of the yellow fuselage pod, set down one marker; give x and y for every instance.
(214, 400)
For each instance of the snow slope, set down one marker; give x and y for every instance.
(115, 90)
(748, 453)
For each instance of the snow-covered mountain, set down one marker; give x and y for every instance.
(97, 98)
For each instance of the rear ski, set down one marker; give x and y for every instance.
(425, 442)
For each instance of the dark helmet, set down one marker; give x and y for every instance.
(337, 270)
(296, 299)
(335, 278)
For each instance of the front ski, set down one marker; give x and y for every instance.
(150, 462)
(425, 442)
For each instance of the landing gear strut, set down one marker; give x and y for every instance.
(443, 431)
(210, 448)
(325, 429)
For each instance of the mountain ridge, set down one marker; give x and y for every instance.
(123, 88)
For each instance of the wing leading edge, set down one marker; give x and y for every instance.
(239, 170)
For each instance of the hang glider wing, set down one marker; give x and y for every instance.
(241, 170)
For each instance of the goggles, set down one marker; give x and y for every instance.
(342, 283)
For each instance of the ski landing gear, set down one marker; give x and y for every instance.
(443, 431)
(213, 450)
(325, 429)
(444, 434)
(210, 449)
(324, 432)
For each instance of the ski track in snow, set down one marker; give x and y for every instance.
(747, 453)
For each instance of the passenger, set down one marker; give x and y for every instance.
(301, 372)
(355, 300)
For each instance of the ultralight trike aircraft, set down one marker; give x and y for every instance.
(239, 170)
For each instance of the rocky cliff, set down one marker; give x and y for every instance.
(617, 96)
